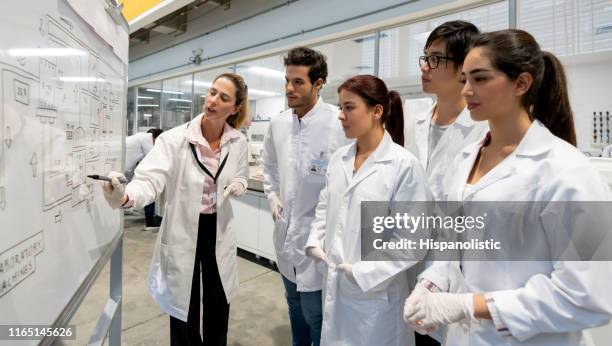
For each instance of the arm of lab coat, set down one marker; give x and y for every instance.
(376, 275)
(574, 296)
(151, 175)
(271, 181)
(317, 227)
(242, 175)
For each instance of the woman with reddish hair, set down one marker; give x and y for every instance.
(362, 300)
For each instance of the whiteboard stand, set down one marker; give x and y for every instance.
(109, 322)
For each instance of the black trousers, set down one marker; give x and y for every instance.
(215, 307)
(424, 340)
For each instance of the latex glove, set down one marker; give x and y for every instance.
(318, 255)
(433, 310)
(276, 207)
(114, 191)
(417, 293)
(235, 189)
(347, 268)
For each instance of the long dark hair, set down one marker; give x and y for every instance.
(516, 51)
(374, 92)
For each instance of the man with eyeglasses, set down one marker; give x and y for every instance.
(436, 136)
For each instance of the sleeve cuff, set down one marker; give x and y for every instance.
(430, 285)
(242, 181)
(508, 311)
(128, 202)
(312, 242)
(499, 324)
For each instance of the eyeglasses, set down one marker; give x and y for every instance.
(433, 60)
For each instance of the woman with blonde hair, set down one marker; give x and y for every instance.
(199, 164)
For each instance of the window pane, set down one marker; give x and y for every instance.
(345, 59)
(177, 101)
(148, 105)
(266, 81)
(131, 114)
(202, 82)
(568, 27)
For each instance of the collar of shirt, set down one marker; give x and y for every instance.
(310, 114)
(194, 134)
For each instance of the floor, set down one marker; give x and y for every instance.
(258, 315)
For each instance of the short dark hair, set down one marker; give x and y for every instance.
(314, 60)
(155, 132)
(459, 36)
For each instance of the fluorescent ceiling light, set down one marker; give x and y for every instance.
(81, 79)
(199, 83)
(147, 115)
(251, 91)
(165, 91)
(179, 100)
(262, 92)
(146, 97)
(268, 72)
(148, 105)
(46, 52)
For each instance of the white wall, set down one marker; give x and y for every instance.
(589, 79)
(269, 106)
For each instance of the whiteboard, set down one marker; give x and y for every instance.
(62, 112)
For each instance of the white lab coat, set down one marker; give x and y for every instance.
(369, 313)
(458, 135)
(291, 147)
(171, 166)
(137, 146)
(544, 302)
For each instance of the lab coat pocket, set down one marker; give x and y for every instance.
(280, 233)
(370, 299)
(315, 178)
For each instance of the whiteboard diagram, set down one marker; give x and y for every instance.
(61, 118)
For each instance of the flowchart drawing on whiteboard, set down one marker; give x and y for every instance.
(62, 92)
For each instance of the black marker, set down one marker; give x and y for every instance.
(105, 178)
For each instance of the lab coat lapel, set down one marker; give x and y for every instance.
(499, 172)
(421, 135)
(535, 142)
(370, 166)
(451, 134)
(348, 160)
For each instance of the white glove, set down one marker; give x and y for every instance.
(114, 191)
(235, 189)
(347, 268)
(433, 310)
(276, 207)
(318, 255)
(419, 291)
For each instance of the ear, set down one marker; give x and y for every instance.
(523, 83)
(318, 84)
(378, 111)
(236, 109)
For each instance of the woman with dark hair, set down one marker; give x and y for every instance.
(528, 155)
(362, 300)
(199, 164)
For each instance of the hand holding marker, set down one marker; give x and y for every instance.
(113, 188)
(122, 180)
